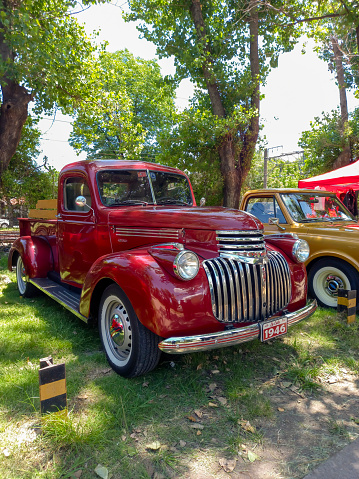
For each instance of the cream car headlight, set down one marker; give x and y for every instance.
(300, 250)
(186, 265)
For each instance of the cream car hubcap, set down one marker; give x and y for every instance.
(326, 284)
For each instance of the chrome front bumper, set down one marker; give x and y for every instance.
(231, 337)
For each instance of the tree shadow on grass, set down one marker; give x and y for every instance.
(180, 419)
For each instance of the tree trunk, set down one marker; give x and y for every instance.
(13, 114)
(234, 168)
(13, 111)
(345, 156)
(251, 137)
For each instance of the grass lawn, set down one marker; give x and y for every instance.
(197, 407)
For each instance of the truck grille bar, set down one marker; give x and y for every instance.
(242, 292)
(240, 241)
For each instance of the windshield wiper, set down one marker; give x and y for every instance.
(172, 201)
(130, 202)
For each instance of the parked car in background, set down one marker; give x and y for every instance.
(324, 222)
(4, 223)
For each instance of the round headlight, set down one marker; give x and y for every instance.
(301, 250)
(186, 265)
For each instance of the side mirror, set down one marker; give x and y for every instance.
(80, 201)
(275, 221)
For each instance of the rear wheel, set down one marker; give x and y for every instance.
(131, 349)
(4, 225)
(25, 288)
(327, 276)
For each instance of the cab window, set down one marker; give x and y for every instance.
(74, 187)
(264, 208)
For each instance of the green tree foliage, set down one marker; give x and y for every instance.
(25, 180)
(223, 47)
(334, 24)
(281, 173)
(324, 141)
(45, 58)
(338, 19)
(134, 106)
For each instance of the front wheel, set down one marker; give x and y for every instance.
(25, 288)
(131, 349)
(327, 276)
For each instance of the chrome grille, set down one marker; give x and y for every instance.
(242, 292)
(241, 243)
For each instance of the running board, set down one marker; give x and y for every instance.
(68, 299)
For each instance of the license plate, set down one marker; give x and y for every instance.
(272, 329)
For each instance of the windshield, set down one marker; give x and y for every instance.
(126, 187)
(307, 207)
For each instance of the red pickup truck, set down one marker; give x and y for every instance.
(130, 249)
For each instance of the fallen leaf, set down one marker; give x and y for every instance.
(78, 473)
(199, 367)
(198, 413)
(227, 464)
(198, 433)
(154, 446)
(215, 371)
(158, 475)
(101, 471)
(145, 384)
(212, 386)
(280, 409)
(123, 438)
(83, 396)
(222, 400)
(197, 426)
(212, 404)
(131, 451)
(246, 426)
(286, 384)
(251, 456)
(182, 443)
(192, 418)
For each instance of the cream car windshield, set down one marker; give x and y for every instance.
(307, 207)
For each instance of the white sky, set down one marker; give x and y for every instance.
(297, 91)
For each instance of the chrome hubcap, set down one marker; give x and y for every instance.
(333, 284)
(117, 330)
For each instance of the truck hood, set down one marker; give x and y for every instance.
(335, 228)
(198, 218)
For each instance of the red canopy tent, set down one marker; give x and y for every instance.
(339, 181)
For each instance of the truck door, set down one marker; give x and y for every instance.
(76, 230)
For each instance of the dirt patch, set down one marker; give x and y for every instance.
(305, 431)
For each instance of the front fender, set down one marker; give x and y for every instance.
(35, 253)
(164, 304)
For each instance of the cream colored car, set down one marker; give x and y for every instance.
(324, 222)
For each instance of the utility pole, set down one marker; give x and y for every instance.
(265, 178)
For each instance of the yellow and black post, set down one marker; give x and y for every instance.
(347, 303)
(52, 380)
